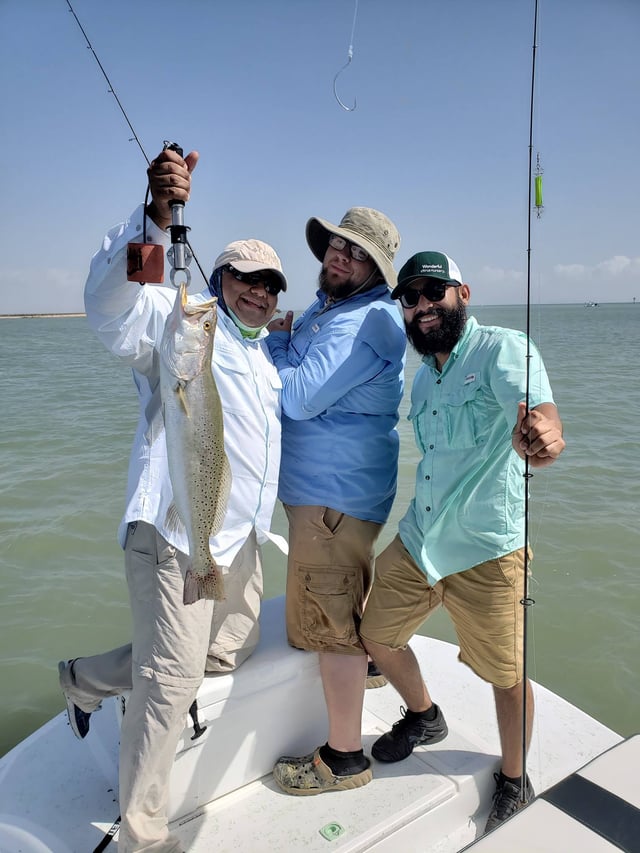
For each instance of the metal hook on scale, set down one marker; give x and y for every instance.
(346, 65)
(179, 254)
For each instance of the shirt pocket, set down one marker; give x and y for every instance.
(466, 419)
(232, 375)
(299, 347)
(273, 381)
(416, 420)
(329, 600)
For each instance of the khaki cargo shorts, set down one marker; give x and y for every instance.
(329, 572)
(483, 603)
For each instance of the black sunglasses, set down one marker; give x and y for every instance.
(268, 280)
(432, 290)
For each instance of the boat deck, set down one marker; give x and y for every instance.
(59, 795)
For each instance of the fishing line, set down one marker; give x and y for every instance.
(542, 500)
(134, 138)
(526, 601)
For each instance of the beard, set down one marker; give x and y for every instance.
(337, 291)
(445, 337)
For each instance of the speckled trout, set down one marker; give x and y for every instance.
(198, 466)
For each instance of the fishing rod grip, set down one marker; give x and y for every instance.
(177, 219)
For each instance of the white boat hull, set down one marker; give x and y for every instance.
(59, 795)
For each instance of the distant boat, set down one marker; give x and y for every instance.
(591, 305)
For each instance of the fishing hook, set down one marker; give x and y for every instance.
(346, 65)
(335, 92)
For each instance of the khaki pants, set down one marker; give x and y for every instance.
(163, 667)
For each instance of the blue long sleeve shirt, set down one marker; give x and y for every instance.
(342, 373)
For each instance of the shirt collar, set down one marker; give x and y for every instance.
(374, 292)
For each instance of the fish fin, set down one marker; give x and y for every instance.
(179, 389)
(172, 521)
(209, 586)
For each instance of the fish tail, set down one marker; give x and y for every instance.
(210, 585)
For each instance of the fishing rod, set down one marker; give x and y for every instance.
(526, 600)
(143, 257)
(111, 89)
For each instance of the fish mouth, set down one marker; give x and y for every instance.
(197, 308)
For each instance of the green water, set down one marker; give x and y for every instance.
(69, 411)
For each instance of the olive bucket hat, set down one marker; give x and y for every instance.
(367, 228)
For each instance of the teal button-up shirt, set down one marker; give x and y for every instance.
(469, 500)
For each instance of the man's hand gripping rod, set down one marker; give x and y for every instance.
(179, 255)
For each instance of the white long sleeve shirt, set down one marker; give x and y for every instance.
(129, 320)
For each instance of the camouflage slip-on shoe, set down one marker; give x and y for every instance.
(310, 775)
(374, 677)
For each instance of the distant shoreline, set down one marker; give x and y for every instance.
(36, 316)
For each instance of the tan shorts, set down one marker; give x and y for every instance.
(483, 603)
(329, 573)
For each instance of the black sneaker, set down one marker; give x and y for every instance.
(78, 719)
(507, 800)
(411, 731)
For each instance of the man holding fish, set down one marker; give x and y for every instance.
(208, 390)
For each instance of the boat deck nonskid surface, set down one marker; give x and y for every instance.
(59, 794)
(260, 817)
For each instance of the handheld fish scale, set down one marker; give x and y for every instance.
(179, 255)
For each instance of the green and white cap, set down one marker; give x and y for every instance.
(427, 265)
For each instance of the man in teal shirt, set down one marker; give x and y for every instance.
(461, 542)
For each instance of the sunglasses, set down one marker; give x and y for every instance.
(340, 243)
(433, 291)
(270, 282)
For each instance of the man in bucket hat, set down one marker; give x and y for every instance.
(174, 643)
(461, 542)
(341, 368)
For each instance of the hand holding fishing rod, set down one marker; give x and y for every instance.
(170, 186)
(538, 435)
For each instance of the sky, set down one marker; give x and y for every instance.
(439, 138)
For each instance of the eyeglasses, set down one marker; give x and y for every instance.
(433, 291)
(339, 243)
(268, 280)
